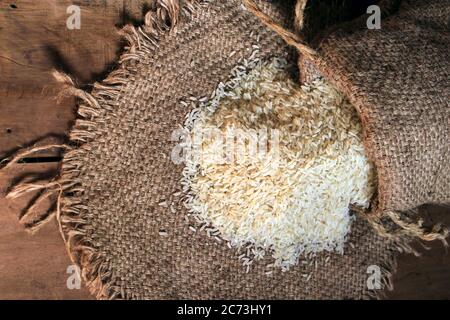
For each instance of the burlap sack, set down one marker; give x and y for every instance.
(397, 78)
(116, 169)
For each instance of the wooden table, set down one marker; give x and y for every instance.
(34, 39)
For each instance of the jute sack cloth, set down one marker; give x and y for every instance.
(117, 170)
(398, 78)
(116, 178)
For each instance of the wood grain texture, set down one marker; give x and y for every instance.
(33, 41)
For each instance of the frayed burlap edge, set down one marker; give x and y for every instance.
(142, 41)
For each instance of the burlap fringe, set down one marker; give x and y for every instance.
(162, 18)
(69, 207)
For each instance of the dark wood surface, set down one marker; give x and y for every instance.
(34, 40)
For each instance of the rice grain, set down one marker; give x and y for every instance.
(297, 204)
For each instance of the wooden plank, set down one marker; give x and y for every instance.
(31, 266)
(34, 40)
(26, 118)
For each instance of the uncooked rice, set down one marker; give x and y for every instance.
(297, 203)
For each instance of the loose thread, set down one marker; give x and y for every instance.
(24, 152)
(299, 14)
(438, 232)
(31, 209)
(408, 229)
(33, 227)
(289, 37)
(25, 188)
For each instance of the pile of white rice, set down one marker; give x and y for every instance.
(293, 199)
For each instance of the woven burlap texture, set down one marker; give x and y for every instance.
(119, 172)
(398, 78)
